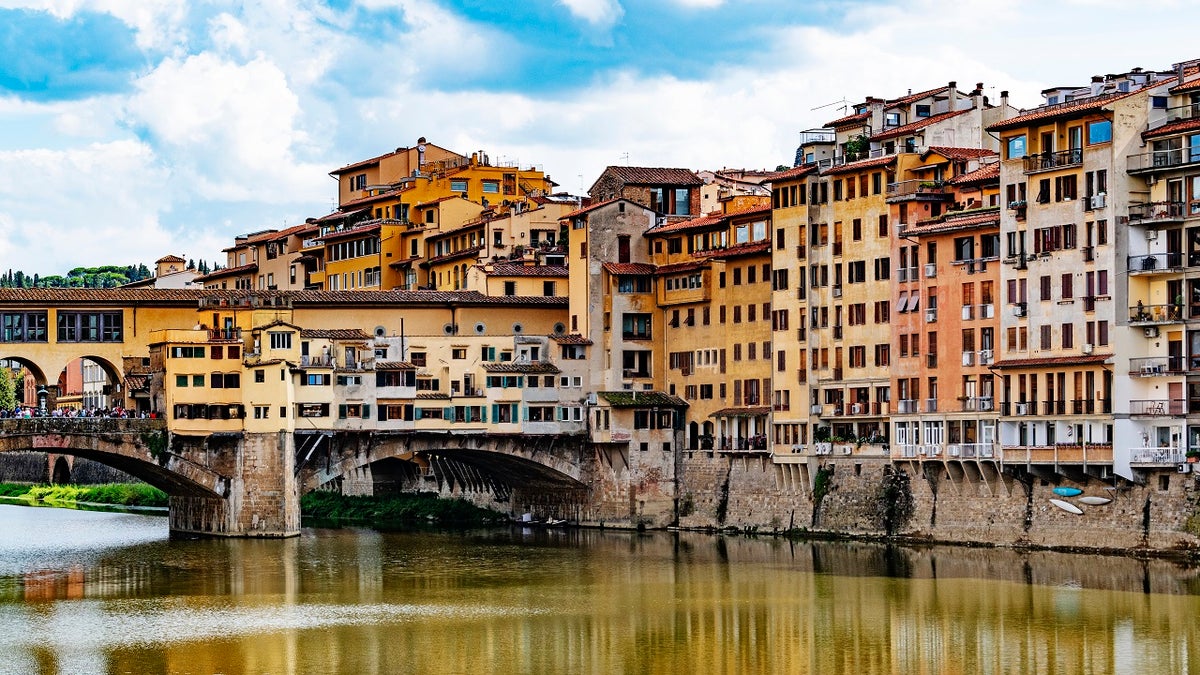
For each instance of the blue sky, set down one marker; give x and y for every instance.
(129, 130)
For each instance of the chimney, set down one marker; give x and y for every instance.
(1179, 71)
(977, 98)
(1004, 99)
(1097, 84)
(952, 93)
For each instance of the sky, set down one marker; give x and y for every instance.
(130, 129)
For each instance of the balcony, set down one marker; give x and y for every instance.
(1049, 161)
(907, 406)
(225, 335)
(978, 403)
(1091, 406)
(1054, 407)
(1153, 315)
(986, 357)
(323, 361)
(968, 358)
(931, 405)
(1176, 114)
(1162, 160)
(1163, 455)
(1155, 263)
(916, 190)
(1155, 366)
(1156, 213)
(971, 450)
(1160, 407)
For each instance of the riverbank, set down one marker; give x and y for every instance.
(394, 511)
(114, 494)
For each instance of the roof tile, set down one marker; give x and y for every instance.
(646, 175)
(896, 132)
(1071, 108)
(628, 268)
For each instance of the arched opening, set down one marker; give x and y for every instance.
(89, 383)
(693, 435)
(707, 435)
(62, 472)
(28, 378)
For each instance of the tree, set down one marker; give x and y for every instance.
(8, 389)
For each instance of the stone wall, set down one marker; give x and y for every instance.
(952, 502)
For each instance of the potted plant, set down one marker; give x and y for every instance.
(1193, 456)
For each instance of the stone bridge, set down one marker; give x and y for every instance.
(243, 484)
(548, 475)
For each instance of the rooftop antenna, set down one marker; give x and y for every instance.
(844, 105)
(625, 157)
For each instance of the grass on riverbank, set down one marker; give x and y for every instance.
(121, 494)
(395, 510)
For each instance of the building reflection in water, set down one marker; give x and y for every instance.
(552, 601)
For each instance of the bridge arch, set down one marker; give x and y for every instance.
(126, 445)
(39, 375)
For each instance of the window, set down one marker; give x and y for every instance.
(491, 187)
(1099, 132)
(458, 184)
(921, 110)
(260, 375)
(280, 339)
(225, 380)
(315, 380)
(628, 284)
(87, 327)
(24, 327)
(510, 288)
(635, 326)
(1016, 147)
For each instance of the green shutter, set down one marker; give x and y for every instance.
(341, 412)
(366, 411)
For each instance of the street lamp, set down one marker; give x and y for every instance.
(42, 394)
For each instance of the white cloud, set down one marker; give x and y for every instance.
(699, 4)
(601, 14)
(229, 126)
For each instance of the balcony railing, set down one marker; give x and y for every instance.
(915, 189)
(1176, 114)
(978, 403)
(1149, 315)
(1054, 407)
(1161, 160)
(1152, 366)
(1155, 262)
(986, 357)
(971, 450)
(931, 405)
(1150, 212)
(1163, 455)
(1091, 406)
(1048, 161)
(215, 334)
(1159, 407)
(907, 406)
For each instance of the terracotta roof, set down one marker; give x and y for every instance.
(352, 232)
(137, 382)
(1188, 84)
(749, 411)
(439, 200)
(468, 298)
(1173, 128)
(910, 98)
(987, 172)
(958, 153)
(628, 268)
(170, 258)
(571, 339)
(515, 367)
(796, 172)
(849, 119)
(951, 224)
(861, 164)
(334, 334)
(394, 365)
(338, 215)
(735, 251)
(593, 207)
(646, 175)
(918, 125)
(699, 222)
(641, 399)
(519, 270)
(432, 396)
(1072, 108)
(229, 272)
(271, 235)
(472, 252)
(364, 162)
(1076, 360)
(675, 268)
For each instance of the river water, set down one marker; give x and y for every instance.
(89, 592)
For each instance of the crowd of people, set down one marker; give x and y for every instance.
(31, 411)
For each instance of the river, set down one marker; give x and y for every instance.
(91, 592)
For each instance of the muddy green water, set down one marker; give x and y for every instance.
(87, 592)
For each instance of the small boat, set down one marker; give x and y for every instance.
(1094, 501)
(1067, 491)
(1067, 506)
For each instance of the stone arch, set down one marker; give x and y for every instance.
(117, 444)
(60, 474)
(38, 373)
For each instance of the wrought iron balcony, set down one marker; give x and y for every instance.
(1049, 161)
(1159, 407)
(1157, 213)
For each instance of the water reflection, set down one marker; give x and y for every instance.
(116, 596)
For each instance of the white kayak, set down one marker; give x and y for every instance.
(1094, 501)
(1067, 506)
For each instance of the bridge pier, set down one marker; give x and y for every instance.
(262, 499)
